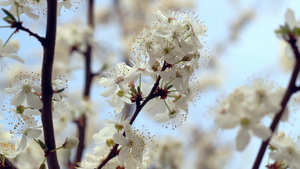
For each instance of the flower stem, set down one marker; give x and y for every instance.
(9, 38)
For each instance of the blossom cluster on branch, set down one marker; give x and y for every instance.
(160, 78)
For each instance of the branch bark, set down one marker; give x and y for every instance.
(47, 92)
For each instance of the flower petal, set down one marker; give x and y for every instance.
(18, 99)
(242, 139)
(33, 101)
(106, 82)
(23, 143)
(34, 133)
(109, 91)
(123, 155)
(120, 139)
(261, 131)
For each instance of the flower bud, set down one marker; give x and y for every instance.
(110, 142)
(70, 143)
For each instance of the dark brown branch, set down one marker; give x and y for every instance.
(81, 122)
(47, 92)
(289, 92)
(19, 26)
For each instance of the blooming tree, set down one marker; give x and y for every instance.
(159, 77)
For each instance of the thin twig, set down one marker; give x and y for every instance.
(289, 92)
(19, 26)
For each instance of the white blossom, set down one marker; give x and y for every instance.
(8, 149)
(116, 78)
(9, 51)
(285, 150)
(133, 145)
(26, 91)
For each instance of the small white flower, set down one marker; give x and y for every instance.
(116, 125)
(20, 7)
(234, 111)
(285, 150)
(26, 130)
(117, 78)
(9, 51)
(8, 150)
(133, 145)
(175, 118)
(26, 91)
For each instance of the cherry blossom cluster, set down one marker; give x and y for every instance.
(160, 78)
(168, 53)
(26, 104)
(135, 145)
(34, 8)
(246, 106)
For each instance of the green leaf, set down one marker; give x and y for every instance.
(9, 18)
(42, 145)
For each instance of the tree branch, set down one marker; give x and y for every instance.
(291, 89)
(81, 122)
(47, 92)
(19, 26)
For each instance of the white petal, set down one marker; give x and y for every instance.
(31, 15)
(33, 101)
(5, 3)
(117, 103)
(161, 117)
(11, 90)
(124, 87)
(106, 82)
(261, 131)
(109, 91)
(226, 121)
(18, 99)
(30, 121)
(56, 114)
(120, 139)
(34, 133)
(33, 112)
(17, 58)
(242, 139)
(67, 4)
(59, 6)
(290, 18)
(103, 134)
(37, 88)
(128, 131)
(123, 155)
(23, 143)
